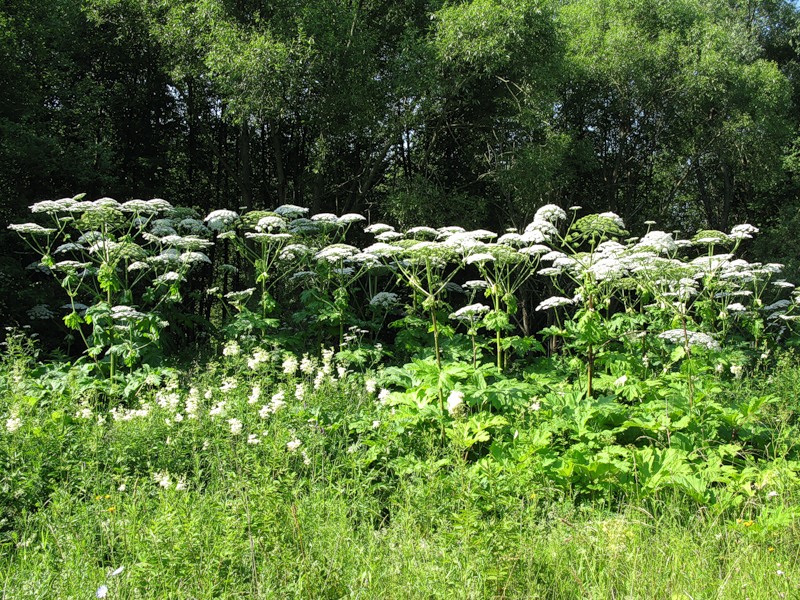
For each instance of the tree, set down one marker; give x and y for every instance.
(678, 113)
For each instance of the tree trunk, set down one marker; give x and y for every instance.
(245, 175)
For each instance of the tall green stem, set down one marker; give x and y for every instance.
(112, 363)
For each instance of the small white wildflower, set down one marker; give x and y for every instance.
(102, 591)
(13, 424)
(83, 413)
(217, 409)
(290, 365)
(319, 379)
(293, 445)
(299, 392)
(255, 394)
(253, 439)
(162, 479)
(383, 395)
(275, 404)
(306, 365)
(236, 426)
(376, 424)
(371, 385)
(229, 385)
(772, 494)
(737, 370)
(259, 357)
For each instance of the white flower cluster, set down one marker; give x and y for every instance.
(383, 300)
(455, 403)
(554, 302)
(471, 312)
(40, 312)
(694, 338)
(218, 220)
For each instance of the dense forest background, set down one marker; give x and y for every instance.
(684, 112)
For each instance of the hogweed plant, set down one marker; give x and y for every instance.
(685, 300)
(119, 264)
(613, 292)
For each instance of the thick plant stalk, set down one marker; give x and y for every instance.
(113, 358)
(590, 365)
(437, 350)
(689, 382)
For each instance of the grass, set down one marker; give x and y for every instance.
(321, 544)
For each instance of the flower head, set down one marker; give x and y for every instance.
(220, 219)
(455, 403)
